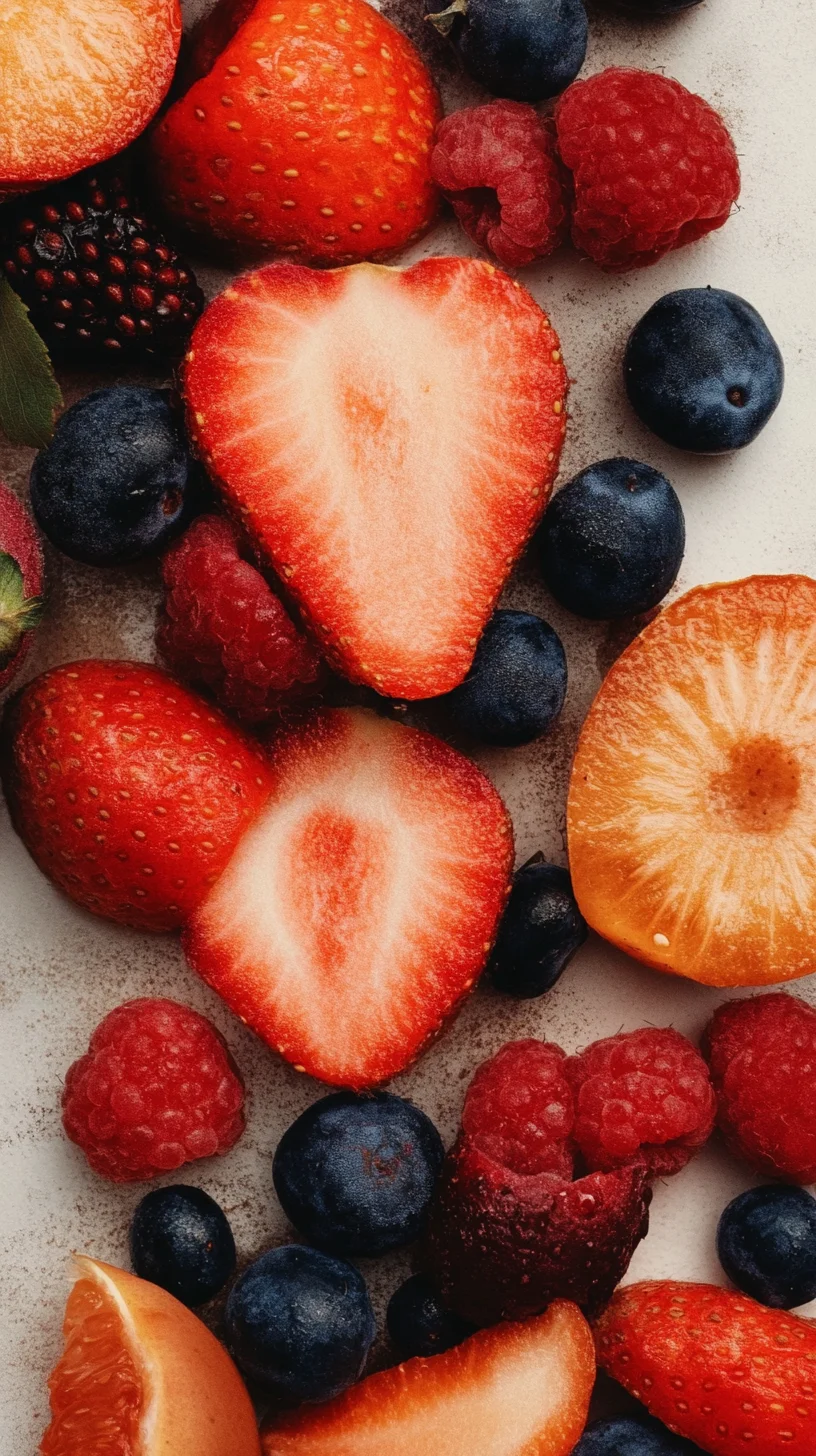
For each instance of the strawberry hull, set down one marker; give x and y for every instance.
(20, 542)
(389, 439)
(360, 908)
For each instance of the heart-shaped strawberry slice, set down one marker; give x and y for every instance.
(390, 439)
(360, 906)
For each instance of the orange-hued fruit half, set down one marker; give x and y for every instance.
(142, 1376)
(79, 80)
(513, 1390)
(692, 806)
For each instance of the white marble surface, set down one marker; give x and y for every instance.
(60, 970)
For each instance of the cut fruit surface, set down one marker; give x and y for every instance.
(79, 81)
(142, 1376)
(515, 1390)
(360, 907)
(692, 806)
(390, 439)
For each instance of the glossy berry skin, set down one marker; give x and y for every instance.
(539, 933)
(632, 1436)
(356, 1174)
(612, 540)
(300, 1324)
(766, 1242)
(517, 684)
(117, 481)
(180, 1238)
(419, 1323)
(703, 371)
(527, 50)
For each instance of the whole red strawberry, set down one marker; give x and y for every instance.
(499, 168)
(763, 1064)
(156, 1088)
(306, 128)
(653, 166)
(21, 579)
(223, 627)
(714, 1366)
(130, 792)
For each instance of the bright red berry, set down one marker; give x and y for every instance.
(130, 792)
(714, 1366)
(654, 166)
(519, 1109)
(644, 1096)
(305, 129)
(763, 1063)
(156, 1088)
(224, 629)
(499, 168)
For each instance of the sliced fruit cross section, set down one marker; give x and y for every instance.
(515, 1390)
(390, 439)
(360, 907)
(142, 1376)
(692, 804)
(79, 80)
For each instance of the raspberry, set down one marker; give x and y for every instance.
(156, 1088)
(763, 1063)
(519, 1110)
(641, 1097)
(499, 168)
(224, 629)
(653, 166)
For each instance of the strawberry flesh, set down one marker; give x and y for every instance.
(360, 907)
(390, 440)
(518, 1390)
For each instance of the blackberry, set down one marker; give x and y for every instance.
(98, 277)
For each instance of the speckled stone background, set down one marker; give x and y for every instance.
(61, 971)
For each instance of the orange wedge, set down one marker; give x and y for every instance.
(692, 806)
(142, 1376)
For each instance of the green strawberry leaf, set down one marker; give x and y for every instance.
(30, 397)
(18, 613)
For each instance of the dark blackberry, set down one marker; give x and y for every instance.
(99, 278)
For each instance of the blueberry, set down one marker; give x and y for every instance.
(632, 1436)
(117, 481)
(527, 50)
(300, 1324)
(702, 370)
(356, 1174)
(516, 687)
(766, 1241)
(612, 540)
(180, 1239)
(539, 933)
(419, 1323)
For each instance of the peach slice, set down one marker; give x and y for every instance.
(692, 806)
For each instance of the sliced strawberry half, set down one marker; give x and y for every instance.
(516, 1390)
(360, 907)
(390, 438)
